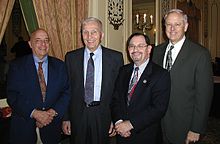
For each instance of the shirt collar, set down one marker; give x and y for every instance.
(96, 52)
(179, 43)
(143, 65)
(36, 59)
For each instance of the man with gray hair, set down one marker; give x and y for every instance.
(190, 69)
(92, 70)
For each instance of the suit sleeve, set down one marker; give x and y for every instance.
(15, 98)
(204, 92)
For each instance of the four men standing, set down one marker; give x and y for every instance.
(140, 93)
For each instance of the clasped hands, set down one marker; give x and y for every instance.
(43, 118)
(124, 128)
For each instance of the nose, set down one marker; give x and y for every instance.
(172, 27)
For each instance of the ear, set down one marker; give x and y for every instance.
(102, 35)
(186, 26)
(149, 48)
(29, 42)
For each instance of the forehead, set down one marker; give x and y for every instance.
(138, 39)
(91, 25)
(40, 34)
(174, 17)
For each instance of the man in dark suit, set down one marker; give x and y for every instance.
(191, 82)
(90, 122)
(34, 109)
(137, 110)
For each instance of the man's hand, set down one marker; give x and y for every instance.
(192, 137)
(66, 126)
(123, 128)
(111, 131)
(42, 117)
(39, 125)
(52, 112)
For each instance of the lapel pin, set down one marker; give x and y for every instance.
(144, 81)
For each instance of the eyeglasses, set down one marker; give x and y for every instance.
(39, 41)
(140, 46)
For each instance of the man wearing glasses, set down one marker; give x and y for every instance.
(141, 95)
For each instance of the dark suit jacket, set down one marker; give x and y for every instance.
(111, 62)
(24, 95)
(147, 105)
(191, 90)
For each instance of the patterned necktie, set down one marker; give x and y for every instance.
(133, 84)
(168, 65)
(42, 80)
(89, 85)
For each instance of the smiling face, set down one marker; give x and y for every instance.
(92, 35)
(176, 26)
(139, 50)
(39, 43)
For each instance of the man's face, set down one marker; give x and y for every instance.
(175, 27)
(39, 43)
(138, 50)
(92, 35)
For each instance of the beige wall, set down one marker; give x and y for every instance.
(114, 39)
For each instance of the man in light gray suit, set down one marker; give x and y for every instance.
(191, 82)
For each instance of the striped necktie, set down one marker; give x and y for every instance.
(169, 60)
(133, 84)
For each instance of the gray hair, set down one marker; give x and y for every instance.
(91, 19)
(185, 18)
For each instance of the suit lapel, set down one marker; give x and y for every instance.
(162, 53)
(79, 64)
(142, 83)
(52, 74)
(181, 55)
(106, 71)
(128, 74)
(31, 73)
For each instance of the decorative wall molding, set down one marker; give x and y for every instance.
(115, 13)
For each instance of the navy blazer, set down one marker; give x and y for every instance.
(24, 95)
(148, 103)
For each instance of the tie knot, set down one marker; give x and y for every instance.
(136, 69)
(40, 63)
(91, 54)
(171, 47)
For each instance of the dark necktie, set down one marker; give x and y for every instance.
(168, 65)
(133, 84)
(89, 85)
(42, 80)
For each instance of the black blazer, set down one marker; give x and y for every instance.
(147, 105)
(111, 62)
(191, 90)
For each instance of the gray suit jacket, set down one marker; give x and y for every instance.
(191, 90)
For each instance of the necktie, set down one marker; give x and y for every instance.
(133, 83)
(168, 65)
(42, 80)
(89, 84)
